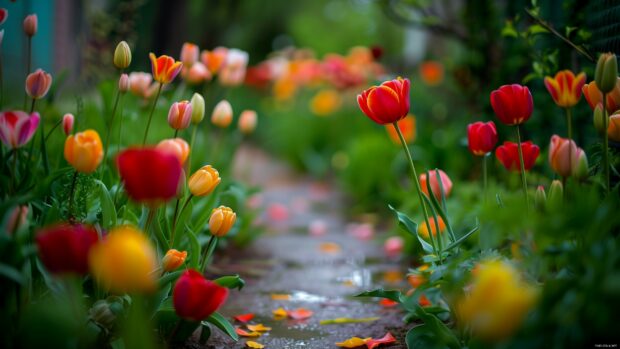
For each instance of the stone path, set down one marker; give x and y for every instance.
(319, 272)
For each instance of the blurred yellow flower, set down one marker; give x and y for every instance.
(325, 102)
(497, 302)
(407, 127)
(284, 89)
(125, 261)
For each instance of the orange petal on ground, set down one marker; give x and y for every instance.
(300, 314)
(330, 247)
(258, 328)
(387, 339)
(254, 345)
(280, 296)
(244, 317)
(388, 303)
(244, 333)
(353, 342)
(280, 313)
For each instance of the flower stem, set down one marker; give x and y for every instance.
(415, 180)
(176, 133)
(569, 126)
(46, 164)
(71, 196)
(14, 172)
(148, 125)
(606, 146)
(207, 255)
(149, 219)
(522, 168)
(484, 177)
(176, 217)
(49, 133)
(28, 66)
(191, 147)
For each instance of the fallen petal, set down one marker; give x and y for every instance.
(280, 296)
(329, 247)
(244, 317)
(279, 313)
(254, 345)
(258, 328)
(387, 339)
(347, 320)
(244, 333)
(388, 303)
(353, 342)
(300, 314)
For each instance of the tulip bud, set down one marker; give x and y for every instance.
(540, 199)
(173, 259)
(580, 169)
(198, 108)
(204, 181)
(84, 151)
(122, 55)
(67, 123)
(4, 14)
(247, 121)
(599, 119)
(222, 219)
(38, 84)
(556, 193)
(175, 146)
(123, 83)
(30, 25)
(222, 114)
(180, 115)
(189, 54)
(606, 72)
(613, 129)
(101, 313)
(17, 218)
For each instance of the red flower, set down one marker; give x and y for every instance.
(150, 176)
(64, 248)
(481, 137)
(195, 298)
(387, 103)
(512, 104)
(508, 155)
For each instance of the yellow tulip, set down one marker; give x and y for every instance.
(84, 151)
(204, 181)
(222, 219)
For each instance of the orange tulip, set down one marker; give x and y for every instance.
(407, 127)
(594, 96)
(222, 219)
(84, 151)
(446, 183)
(164, 68)
(247, 121)
(173, 259)
(175, 146)
(214, 60)
(613, 130)
(565, 88)
(423, 229)
(204, 181)
(189, 54)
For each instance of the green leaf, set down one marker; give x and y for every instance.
(181, 222)
(169, 278)
(432, 334)
(11, 273)
(410, 226)
(108, 211)
(232, 282)
(205, 333)
(220, 322)
(394, 295)
(194, 249)
(462, 238)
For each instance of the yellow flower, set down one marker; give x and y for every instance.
(325, 102)
(204, 181)
(222, 219)
(124, 262)
(173, 259)
(497, 302)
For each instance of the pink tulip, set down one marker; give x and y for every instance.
(38, 83)
(180, 115)
(67, 123)
(30, 25)
(17, 127)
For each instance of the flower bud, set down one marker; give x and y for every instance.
(606, 72)
(198, 108)
(613, 129)
(67, 123)
(247, 121)
(446, 184)
(540, 199)
(175, 146)
(122, 55)
(123, 83)
(173, 260)
(84, 151)
(222, 219)
(556, 193)
(599, 119)
(101, 313)
(17, 218)
(4, 14)
(204, 181)
(189, 54)
(580, 169)
(179, 115)
(222, 114)
(196, 74)
(38, 84)
(30, 25)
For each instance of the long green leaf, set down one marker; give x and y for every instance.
(108, 211)
(231, 281)
(410, 226)
(11, 273)
(394, 295)
(220, 322)
(462, 238)
(194, 249)
(438, 207)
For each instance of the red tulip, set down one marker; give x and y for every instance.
(387, 103)
(508, 155)
(481, 137)
(565, 88)
(3, 15)
(64, 248)
(150, 176)
(512, 104)
(195, 298)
